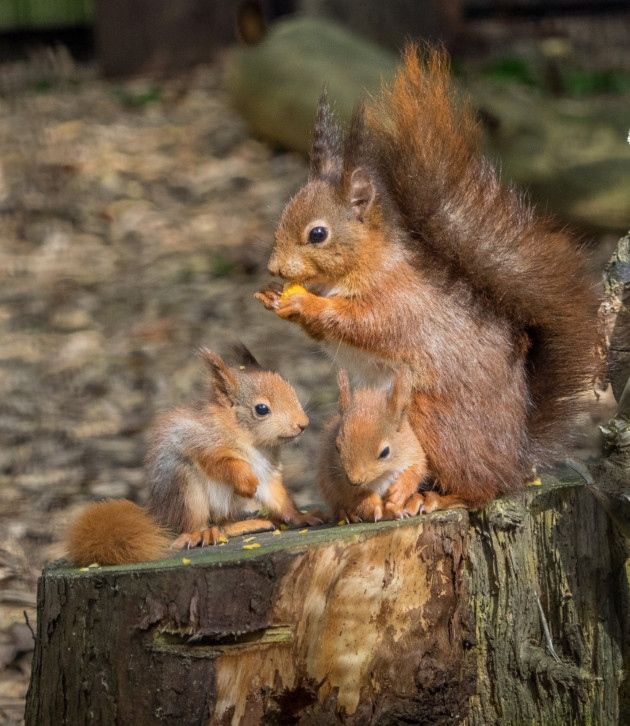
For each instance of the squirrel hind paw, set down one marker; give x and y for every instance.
(200, 537)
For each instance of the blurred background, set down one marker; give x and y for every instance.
(145, 155)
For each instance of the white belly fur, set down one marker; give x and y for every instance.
(225, 504)
(364, 369)
(382, 484)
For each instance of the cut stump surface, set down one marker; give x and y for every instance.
(509, 615)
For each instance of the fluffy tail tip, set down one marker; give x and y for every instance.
(115, 532)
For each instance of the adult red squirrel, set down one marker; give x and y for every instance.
(411, 253)
(214, 462)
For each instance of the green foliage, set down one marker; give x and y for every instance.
(585, 83)
(574, 82)
(23, 14)
(138, 99)
(221, 266)
(512, 70)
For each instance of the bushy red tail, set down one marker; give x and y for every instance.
(427, 148)
(115, 532)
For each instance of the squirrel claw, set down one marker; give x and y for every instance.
(313, 518)
(343, 516)
(269, 297)
(203, 537)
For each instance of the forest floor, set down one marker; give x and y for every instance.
(136, 219)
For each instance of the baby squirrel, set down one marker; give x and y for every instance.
(217, 461)
(411, 253)
(371, 462)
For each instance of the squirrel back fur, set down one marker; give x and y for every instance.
(425, 144)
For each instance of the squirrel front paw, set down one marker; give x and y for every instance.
(410, 508)
(294, 303)
(269, 296)
(246, 485)
(370, 509)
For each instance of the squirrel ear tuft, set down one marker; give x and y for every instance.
(399, 397)
(224, 381)
(326, 152)
(242, 356)
(362, 192)
(344, 390)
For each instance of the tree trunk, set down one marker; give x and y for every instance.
(514, 614)
(615, 325)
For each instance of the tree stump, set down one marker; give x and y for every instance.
(615, 324)
(513, 614)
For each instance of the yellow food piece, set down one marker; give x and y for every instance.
(537, 482)
(223, 539)
(341, 523)
(252, 546)
(186, 561)
(276, 533)
(94, 564)
(249, 539)
(84, 569)
(303, 531)
(292, 288)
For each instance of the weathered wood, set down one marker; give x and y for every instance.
(615, 325)
(615, 316)
(434, 620)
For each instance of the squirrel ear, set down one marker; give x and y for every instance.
(224, 381)
(362, 192)
(326, 155)
(344, 390)
(399, 398)
(243, 356)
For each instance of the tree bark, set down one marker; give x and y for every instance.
(514, 614)
(615, 326)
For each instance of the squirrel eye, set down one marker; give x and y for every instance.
(384, 454)
(262, 409)
(317, 235)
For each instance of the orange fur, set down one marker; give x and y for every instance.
(215, 462)
(451, 198)
(355, 480)
(213, 535)
(247, 526)
(224, 466)
(281, 506)
(115, 532)
(429, 264)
